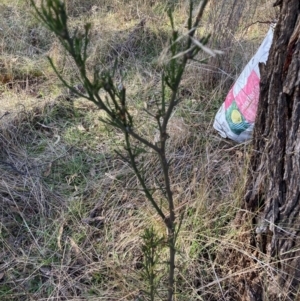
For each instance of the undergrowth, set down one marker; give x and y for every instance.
(71, 220)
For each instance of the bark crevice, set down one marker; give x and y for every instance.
(271, 207)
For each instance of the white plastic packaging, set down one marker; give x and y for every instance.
(235, 118)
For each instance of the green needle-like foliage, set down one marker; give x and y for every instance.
(52, 13)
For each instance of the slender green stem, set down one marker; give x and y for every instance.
(53, 14)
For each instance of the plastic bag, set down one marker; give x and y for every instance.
(235, 118)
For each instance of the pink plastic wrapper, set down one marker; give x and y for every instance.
(235, 118)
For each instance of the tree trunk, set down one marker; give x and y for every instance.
(272, 198)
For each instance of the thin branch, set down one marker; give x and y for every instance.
(141, 180)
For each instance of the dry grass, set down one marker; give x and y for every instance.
(71, 215)
(71, 223)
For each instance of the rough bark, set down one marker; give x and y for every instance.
(273, 189)
(272, 198)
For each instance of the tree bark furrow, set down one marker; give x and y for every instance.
(272, 191)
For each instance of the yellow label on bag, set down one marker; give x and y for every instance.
(236, 116)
